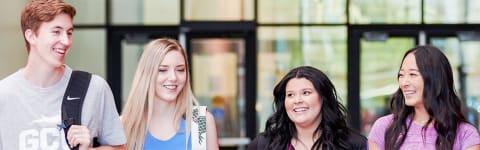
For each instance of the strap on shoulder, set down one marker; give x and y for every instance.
(199, 128)
(73, 99)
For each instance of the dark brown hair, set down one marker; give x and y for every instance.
(439, 99)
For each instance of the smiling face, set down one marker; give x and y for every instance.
(171, 78)
(302, 102)
(50, 44)
(411, 82)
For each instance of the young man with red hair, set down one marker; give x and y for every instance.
(31, 98)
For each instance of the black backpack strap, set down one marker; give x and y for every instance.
(73, 100)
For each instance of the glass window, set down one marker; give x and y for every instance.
(463, 56)
(450, 46)
(131, 53)
(13, 52)
(89, 12)
(277, 47)
(146, 12)
(379, 65)
(472, 11)
(382, 11)
(325, 48)
(88, 51)
(472, 78)
(447, 11)
(283, 48)
(219, 10)
(301, 11)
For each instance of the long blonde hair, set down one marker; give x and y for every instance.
(137, 112)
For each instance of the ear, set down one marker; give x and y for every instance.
(30, 36)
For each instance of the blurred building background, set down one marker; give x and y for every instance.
(239, 49)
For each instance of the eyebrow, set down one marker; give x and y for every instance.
(59, 27)
(300, 90)
(409, 69)
(181, 65)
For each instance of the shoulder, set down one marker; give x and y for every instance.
(260, 142)
(379, 128)
(212, 138)
(381, 124)
(9, 84)
(98, 86)
(95, 80)
(99, 93)
(210, 122)
(388, 118)
(98, 81)
(466, 131)
(384, 121)
(10, 80)
(357, 140)
(466, 127)
(467, 135)
(210, 118)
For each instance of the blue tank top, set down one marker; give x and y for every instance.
(176, 142)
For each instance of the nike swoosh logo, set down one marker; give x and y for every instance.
(72, 98)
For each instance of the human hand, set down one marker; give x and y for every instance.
(79, 136)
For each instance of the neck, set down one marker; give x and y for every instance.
(163, 109)
(43, 76)
(162, 123)
(421, 116)
(305, 137)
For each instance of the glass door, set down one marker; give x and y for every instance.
(124, 48)
(218, 79)
(379, 63)
(220, 72)
(131, 53)
(216, 63)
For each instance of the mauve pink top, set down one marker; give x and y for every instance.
(467, 135)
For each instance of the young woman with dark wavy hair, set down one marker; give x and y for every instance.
(426, 112)
(307, 115)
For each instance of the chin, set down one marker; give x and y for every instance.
(57, 64)
(169, 98)
(411, 103)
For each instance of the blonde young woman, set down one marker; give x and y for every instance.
(158, 112)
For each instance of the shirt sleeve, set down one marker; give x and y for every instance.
(112, 132)
(377, 132)
(469, 135)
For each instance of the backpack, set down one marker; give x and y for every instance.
(72, 103)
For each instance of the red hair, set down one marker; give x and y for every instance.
(38, 11)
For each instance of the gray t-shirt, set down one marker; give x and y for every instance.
(29, 114)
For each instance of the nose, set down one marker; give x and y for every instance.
(404, 82)
(172, 75)
(298, 99)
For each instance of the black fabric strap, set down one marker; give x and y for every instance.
(73, 100)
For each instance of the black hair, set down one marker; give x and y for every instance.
(439, 99)
(335, 134)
